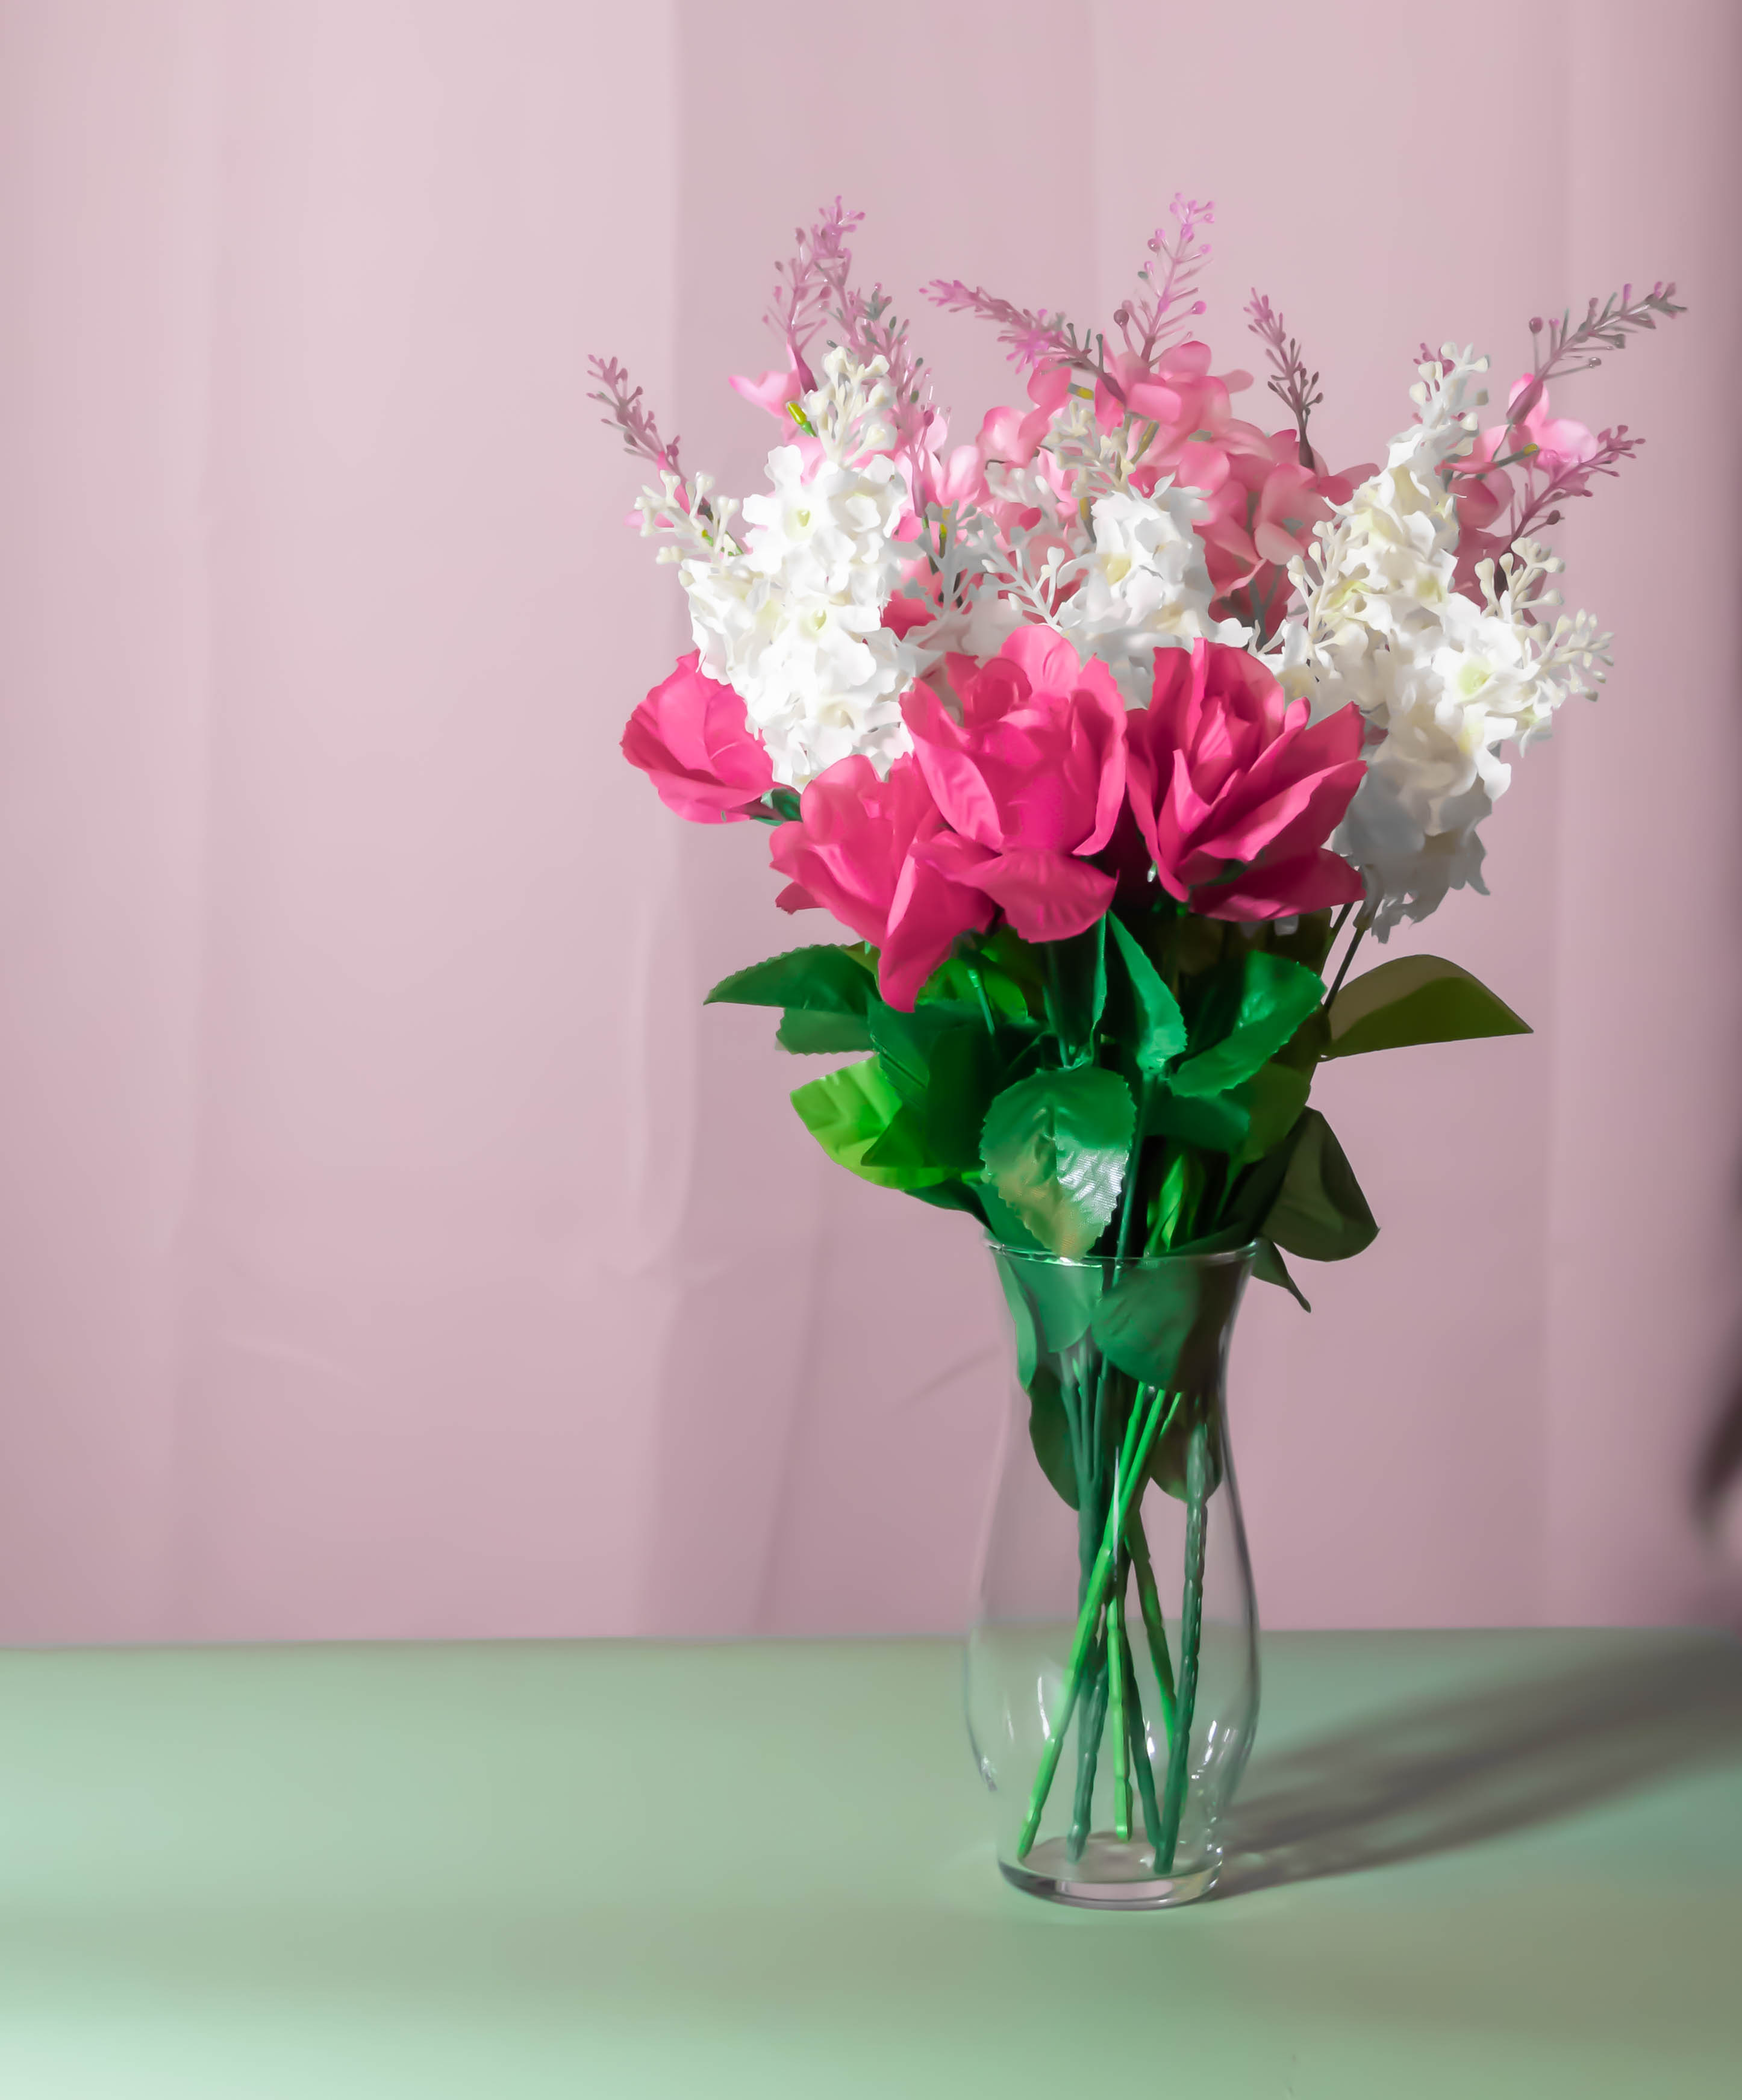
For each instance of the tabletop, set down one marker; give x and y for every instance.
(1462, 1863)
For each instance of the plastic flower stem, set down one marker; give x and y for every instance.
(1342, 968)
(1149, 1599)
(1088, 1732)
(1115, 1680)
(978, 983)
(1191, 1631)
(1139, 1740)
(1132, 1462)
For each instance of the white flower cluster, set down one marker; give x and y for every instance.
(789, 614)
(1143, 586)
(1443, 682)
(1128, 581)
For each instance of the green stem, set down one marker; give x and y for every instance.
(1116, 1678)
(978, 984)
(1343, 970)
(1139, 1738)
(1089, 1726)
(1191, 1630)
(1132, 1461)
(1155, 1625)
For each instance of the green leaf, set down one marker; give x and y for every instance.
(1320, 1212)
(905, 1042)
(1276, 996)
(1273, 1098)
(1416, 999)
(965, 1074)
(809, 1033)
(1049, 1433)
(951, 1195)
(861, 1122)
(1076, 985)
(952, 982)
(1167, 1461)
(1218, 1122)
(1166, 1323)
(1269, 1267)
(822, 980)
(1054, 1147)
(1161, 1026)
(1005, 1228)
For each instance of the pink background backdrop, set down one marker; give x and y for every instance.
(389, 1243)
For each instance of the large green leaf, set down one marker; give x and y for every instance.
(861, 1122)
(1166, 1323)
(952, 982)
(1161, 1026)
(821, 980)
(1273, 1098)
(1218, 1123)
(1276, 996)
(816, 1034)
(1320, 1212)
(904, 1042)
(1416, 999)
(1054, 1147)
(963, 1076)
(1077, 985)
(1269, 1267)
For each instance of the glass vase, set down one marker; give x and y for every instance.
(1112, 1672)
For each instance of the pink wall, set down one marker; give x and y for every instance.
(389, 1245)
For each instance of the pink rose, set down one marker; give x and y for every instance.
(1031, 777)
(860, 849)
(692, 739)
(1234, 795)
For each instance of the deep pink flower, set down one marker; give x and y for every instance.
(858, 849)
(692, 739)
(1031, 777)
(1234, 794)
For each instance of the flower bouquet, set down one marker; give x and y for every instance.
(1110, 737)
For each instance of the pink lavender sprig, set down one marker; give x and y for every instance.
(1147, 320)
(1563, 347)
(1571, 478)
(1034, 335)
(628, 415)
(812, 283)
(1290, 381)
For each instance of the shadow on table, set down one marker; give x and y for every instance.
(1434, 1777)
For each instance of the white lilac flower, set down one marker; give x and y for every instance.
(791, 617)
(1142, 585)
(1409, 872)
(1442, 681)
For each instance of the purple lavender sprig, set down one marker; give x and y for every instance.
(1290, 380)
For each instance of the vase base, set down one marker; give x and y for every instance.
(1112, 1874)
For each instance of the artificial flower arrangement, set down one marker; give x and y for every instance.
(1100, 735)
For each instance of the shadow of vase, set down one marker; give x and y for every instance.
(1436, 1775)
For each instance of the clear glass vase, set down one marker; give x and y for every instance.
(1112, 1672)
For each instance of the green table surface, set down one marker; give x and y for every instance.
(1464, 1863)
